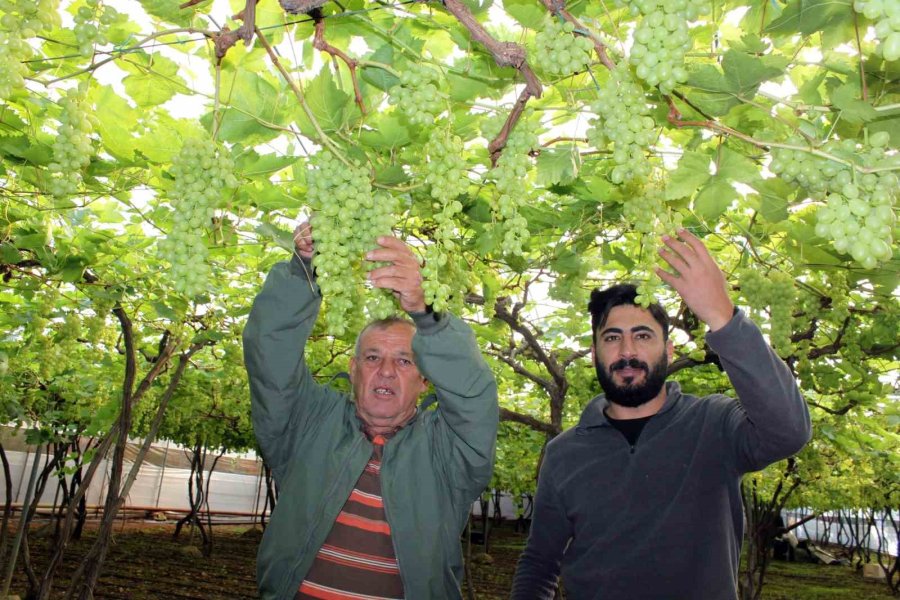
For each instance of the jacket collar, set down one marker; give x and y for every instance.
(594, 415)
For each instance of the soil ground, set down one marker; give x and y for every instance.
(145, 563)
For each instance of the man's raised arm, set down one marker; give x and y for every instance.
(772, 421)
(282, 391)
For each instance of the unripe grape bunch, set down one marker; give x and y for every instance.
(559, 52)
(859, 209)
(346, 222)
(661, 39)
(623, 120)
(72, 149)
(202, 170)
(418, 95)
(773, 291)
(886, 14)
(510, 176)
(646, 212)
(21, 20)
(92, 23)
(445, 173)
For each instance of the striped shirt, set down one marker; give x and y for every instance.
(357, 560)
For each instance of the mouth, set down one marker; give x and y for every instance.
(384, 392)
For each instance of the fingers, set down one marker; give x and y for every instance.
(303, 240)
(394, 251)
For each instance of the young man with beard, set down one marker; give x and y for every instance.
(641, 500)
(374, 491)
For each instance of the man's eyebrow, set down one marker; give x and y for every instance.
(634, 329)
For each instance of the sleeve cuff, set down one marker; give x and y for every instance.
(302, 267)
(428, 321)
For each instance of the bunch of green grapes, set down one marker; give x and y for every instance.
(21, 20)
(419, 95)
(347, 220)
(510, 176)
(645, 211)
(775, 292)
(72, 148)
(445, 173)
(661, 40)
(92, 23)
(859, 211)
(559, 52)
(886, 14)
(623, 120)
(202, 170)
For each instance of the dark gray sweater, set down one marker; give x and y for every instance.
(662, 519)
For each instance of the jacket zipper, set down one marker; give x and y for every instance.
(387, 515)
(290, 574)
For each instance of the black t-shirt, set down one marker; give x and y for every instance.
(630, 428)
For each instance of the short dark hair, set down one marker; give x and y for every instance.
(603, 301)
(379, 324)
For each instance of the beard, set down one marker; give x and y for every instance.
(632, 395)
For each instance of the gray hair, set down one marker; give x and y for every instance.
(380, 324)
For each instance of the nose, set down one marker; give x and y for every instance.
(387, 369)
(627, 348)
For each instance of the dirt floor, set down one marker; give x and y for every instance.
(145, 563)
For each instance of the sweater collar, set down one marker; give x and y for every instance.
(594, 414)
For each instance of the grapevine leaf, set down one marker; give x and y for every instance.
(692, 172)
(170, 11)
(846, 98)
(558, 165)
(387, 132)
(774, 194)
(527, 12)
(251, 164)
(745, 72)
(116, 123)
(809, 16)
(329, 105)
(733, 166)
(380, 78)
(712, 91)
(282, 238)
(153, 79)
(714, 198)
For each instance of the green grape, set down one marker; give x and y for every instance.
(347, 220)
(21, 20)
(886, 15)
(646, 213)
(774, 292)
(92, 24)
(858, 211)
(446, 174)
(661, 39)
(202, 170)
(72, 149)
(419, 94)
(624, 121)
(510, 176)
(559, 52)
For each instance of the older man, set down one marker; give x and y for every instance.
(373, 490)
(641, 500)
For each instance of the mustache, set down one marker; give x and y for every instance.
(632, 363)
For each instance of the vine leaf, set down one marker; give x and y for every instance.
(810, 16)
(692, 172)
(558, 165)
(714, 198)
(329, 105)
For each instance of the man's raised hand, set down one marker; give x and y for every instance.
(697, 279)
(403, 275)
(303, 240)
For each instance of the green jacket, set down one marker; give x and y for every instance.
(432, 469)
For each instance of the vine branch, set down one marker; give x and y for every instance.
(320, 44)
(506, 54)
